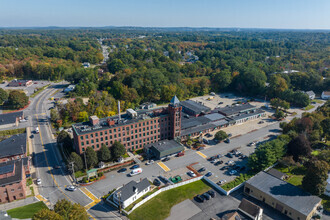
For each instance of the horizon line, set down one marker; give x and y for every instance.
(159, 27)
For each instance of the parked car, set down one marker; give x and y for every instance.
(200, 148)
(150, 162)
(38, 181)
(229, 135)
(156, 182)
(163, 179)
(199, 198)
(37, 130)
(135, 166)
(213, 161)
(70, 188)
(219, 156)
(211, 193)
(180, 154)
(209, 135)
(191, 173)
(220, 103)
(261, 122)
(223, 168)
(206, 196)
(22, 120)
(232, 172)
(229, 155)
(227, 141)
(201, 169)
(221, 182)
(205, 141)
(218, 163)
(209, 174)
(122, 170)
(231, 163)
(135, 172)
(166, 159)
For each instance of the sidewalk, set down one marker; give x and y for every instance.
(18, 203)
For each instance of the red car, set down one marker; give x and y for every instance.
(180, 154)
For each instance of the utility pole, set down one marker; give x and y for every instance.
(74, 176)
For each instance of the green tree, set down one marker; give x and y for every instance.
(65, 139)
(77, 161)
(115, 65)
(117, 150)
(299, 147)
(104, 153)
(83, 116)
(17, 99)
(221, 80)
(220, 135)
(316, 177)
(326, 128)
(91, 157)
(3, 95)
(70, 211)
(279, 114)
(46, 214)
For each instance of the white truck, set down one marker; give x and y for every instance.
(135, 172)
(37, 130)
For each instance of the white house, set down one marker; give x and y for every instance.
(325, 95)
(310, 94)
(327, 189)
(131, 192)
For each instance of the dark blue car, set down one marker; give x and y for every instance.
(135, 166)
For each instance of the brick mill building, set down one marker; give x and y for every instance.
(133, 129)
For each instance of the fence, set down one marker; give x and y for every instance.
(215, 186)
(162, 190)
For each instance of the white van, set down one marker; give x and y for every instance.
(135, 172)
(37, 130)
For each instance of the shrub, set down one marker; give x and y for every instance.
(84, 179)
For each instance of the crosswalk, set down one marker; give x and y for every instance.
(91, 196)
(201, 154)
(41, 198)
(163, 166)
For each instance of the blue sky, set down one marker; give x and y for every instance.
(287, 14)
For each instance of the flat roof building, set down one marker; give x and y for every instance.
(163, 148)
(194, 108)
(13, 148)
(18, 82)
(236, 109)
(133, 129)
(282, 196)
(10, 119)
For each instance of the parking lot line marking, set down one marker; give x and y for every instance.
(201, 154)
(163, 166)
(90, 195)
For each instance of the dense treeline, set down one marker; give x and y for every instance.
(154, 64)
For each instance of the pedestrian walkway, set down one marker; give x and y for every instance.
(163, 166)
(91, 196)
(18, 203)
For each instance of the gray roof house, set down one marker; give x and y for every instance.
(13, 147)
(131, 192)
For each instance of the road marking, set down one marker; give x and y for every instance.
(163, 166)
(201, 154)
(41, 198)
(91, 196)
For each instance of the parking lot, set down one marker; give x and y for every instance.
(29, 89)
(221, 172)
(220, 205)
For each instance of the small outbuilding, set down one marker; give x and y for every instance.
(163, 148)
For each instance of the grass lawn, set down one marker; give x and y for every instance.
(309, 107)
(296, 174)
(160, 206)
(140, 199)
(26, 211)
(317, 101)
(39, 90)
